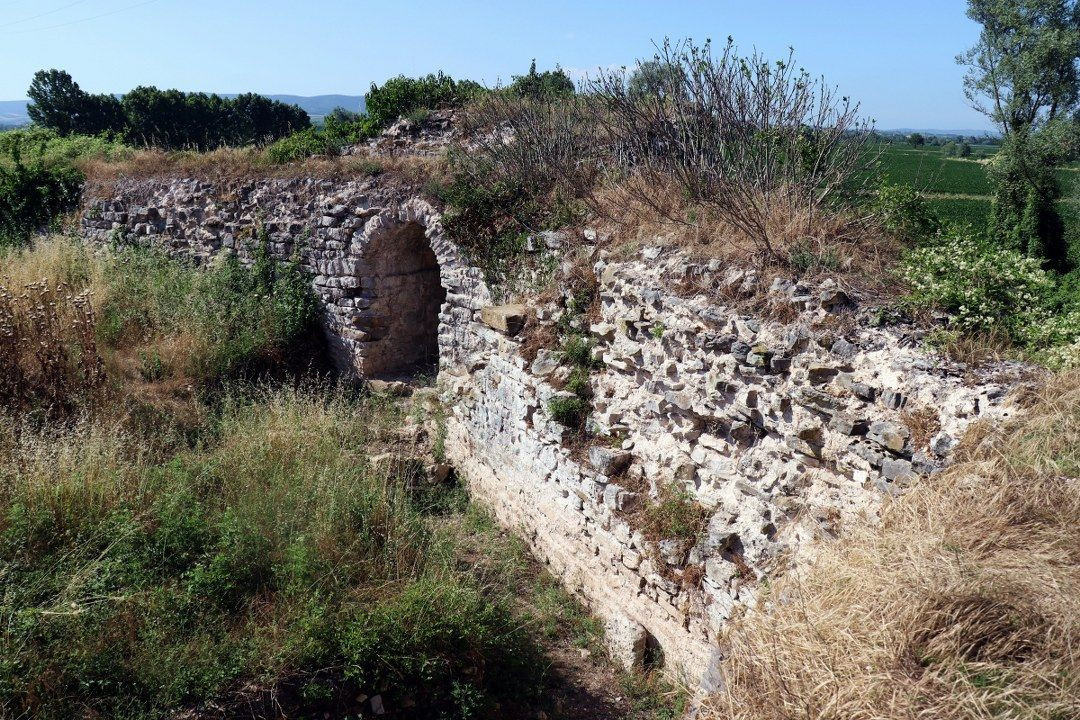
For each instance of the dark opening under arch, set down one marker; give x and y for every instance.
(406, 296)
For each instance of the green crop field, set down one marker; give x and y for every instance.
(959, 190)
(931, 171)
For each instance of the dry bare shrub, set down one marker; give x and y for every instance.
(963, 603)
(538, 143)
(48, 351)
(923, 422)
(750, 139)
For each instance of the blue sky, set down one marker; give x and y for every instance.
(896, 58)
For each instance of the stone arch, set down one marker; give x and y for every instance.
(401, 297)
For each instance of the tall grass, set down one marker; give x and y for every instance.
(273, 564)
(70, 318)
(963, 603)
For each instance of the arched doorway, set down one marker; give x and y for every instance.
(405, 295)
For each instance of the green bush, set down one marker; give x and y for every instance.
(981, 286)
(988, 289)
(904, 212)
(402, 96)
(241, 317)
(54, 149)
(33, 197)
(301, 145)
(571, 411)
(338, 133)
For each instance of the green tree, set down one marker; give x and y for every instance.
(655, 77)
(341, 116)
(916, 139)
(57, 101)
(550, 83)
(1022, 74)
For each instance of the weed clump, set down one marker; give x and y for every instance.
(673, 515)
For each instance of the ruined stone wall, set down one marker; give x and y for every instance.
(783, 431)
(378, 257)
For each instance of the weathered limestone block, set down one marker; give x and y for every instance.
(508, 319)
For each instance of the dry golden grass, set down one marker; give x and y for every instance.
(963, 603)
(50, 294)
(48, 348)
(836, 245)
(252, 163)
(55, 260)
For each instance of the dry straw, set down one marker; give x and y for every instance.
(964, 602)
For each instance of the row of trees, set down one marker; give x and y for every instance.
(917, 139)
(169, 119)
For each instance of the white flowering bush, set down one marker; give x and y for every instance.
(1056, 340)
(980, 286)
(985, 288)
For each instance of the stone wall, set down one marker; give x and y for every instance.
(782, 431)
(378, 257)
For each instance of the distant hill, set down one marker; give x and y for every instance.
(319, 106)
(965, 132)
(13, 112)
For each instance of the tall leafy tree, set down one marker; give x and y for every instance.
(1023, 74)
(57, 101)
(657, 78)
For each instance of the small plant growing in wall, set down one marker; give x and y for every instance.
(569, 410)
(573, 411)
(576, 349)
(675, 514)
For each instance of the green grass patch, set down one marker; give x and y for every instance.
(223, 320)
(271, 563)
